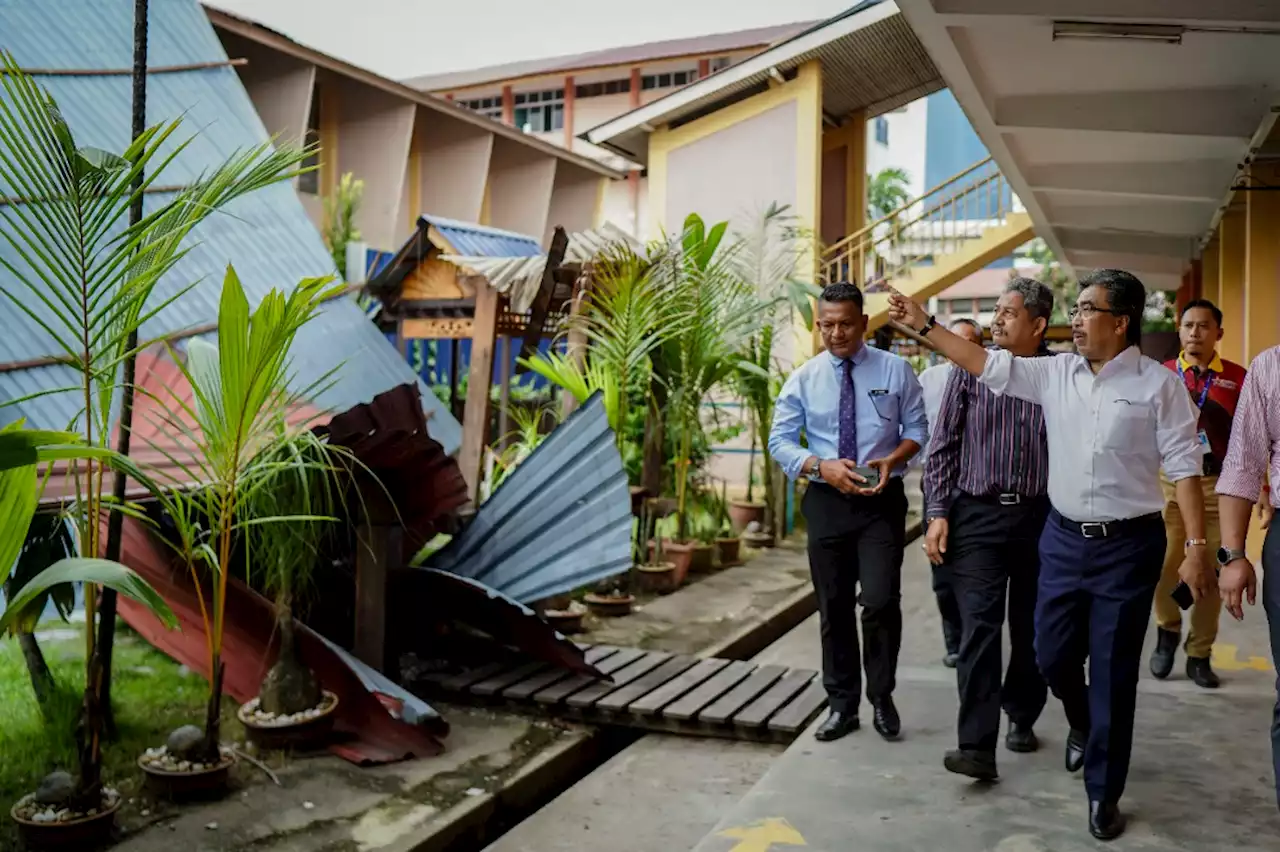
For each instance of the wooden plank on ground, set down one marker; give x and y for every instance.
(460, 681)
(671, 690)
(638, 669)
(726, 679)
(796, 716)
(619, 699)
(497, 683)
(522, 690)
(735, 699)
(558, 692)
(755, 714)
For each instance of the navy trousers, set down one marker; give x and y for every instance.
(1094, 605)
(1271, 602)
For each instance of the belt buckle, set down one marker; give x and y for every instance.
(1094, 529)
(1009, 499)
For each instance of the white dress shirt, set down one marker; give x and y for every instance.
(1110, 434)
(933, 383)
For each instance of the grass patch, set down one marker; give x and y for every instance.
(151, 694)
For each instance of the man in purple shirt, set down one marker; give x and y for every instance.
(986, 480)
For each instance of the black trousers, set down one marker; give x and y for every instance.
(945, 593)
(857, 542)
(993, 554)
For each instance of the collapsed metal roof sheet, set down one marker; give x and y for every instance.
(266, 236)
(561, 520)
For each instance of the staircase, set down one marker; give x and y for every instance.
(931, 242)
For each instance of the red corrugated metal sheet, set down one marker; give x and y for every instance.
(369, 734)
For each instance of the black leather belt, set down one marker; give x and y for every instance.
(1008, 499)
(1107, 529)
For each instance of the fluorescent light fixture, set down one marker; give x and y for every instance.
(1163, 33)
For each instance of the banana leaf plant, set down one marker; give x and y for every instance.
(241, 399)
(86, 279)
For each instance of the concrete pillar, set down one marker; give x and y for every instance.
(1209, 272)
(1261, 324)
(1231, 274)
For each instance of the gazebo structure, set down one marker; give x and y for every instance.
(461, 281)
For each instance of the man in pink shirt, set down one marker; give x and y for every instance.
(1254, 448)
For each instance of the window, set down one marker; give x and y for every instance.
(541, 112)
(488, 107)
(882, 130)
(611, 87)
(720, 63)
(666, 81)
(987, 305)
(310, 181)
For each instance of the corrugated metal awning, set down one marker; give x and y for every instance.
(871, 60)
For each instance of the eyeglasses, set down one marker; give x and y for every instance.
(1087, 311)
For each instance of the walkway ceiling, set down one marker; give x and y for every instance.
(1121, 124)
(870, 59)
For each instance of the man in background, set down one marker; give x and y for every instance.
(861, 410)
(933, 382)
(987, 479)
(1214, 386)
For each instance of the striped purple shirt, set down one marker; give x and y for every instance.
(1006, 451)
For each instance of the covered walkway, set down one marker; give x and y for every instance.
(1200, 782)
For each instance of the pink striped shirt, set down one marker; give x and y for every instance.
(1255, 432)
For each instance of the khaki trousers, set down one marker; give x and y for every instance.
(1205, 613)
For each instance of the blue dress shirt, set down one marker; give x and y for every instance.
(889, 407)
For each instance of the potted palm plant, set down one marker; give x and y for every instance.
(656, 573)
(727, 542)
(240, 400)
(87, 285)
(292, 512)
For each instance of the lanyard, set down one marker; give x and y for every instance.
(1208, 383)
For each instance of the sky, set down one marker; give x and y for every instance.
(406, 38)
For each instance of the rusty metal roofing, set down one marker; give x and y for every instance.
(654, 51)
(266, 236)
(561, 520)
(871, 60)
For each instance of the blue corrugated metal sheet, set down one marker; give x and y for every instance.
(471, 240)
(561, 520)
(266, 236)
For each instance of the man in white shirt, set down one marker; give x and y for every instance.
(933, 382)
(1114, 419)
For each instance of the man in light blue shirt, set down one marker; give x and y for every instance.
(862, 413)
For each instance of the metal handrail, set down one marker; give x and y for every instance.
(937, 223)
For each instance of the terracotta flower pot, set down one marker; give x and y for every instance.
(180, 785)
(742, 513)
(679, 555)
(87, 832)
(727, 548)
(607, 606)
(301, 734)
(758, 539)
(703, 561)
(567, 621)
(659, 578)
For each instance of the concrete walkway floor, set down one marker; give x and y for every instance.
(1201, 778)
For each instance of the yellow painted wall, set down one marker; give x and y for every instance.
(1209, 272)
(806, 91)
(1262, 263)
(1231, 272)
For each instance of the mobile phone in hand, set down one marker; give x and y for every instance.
(1182, 595)
(870, 474)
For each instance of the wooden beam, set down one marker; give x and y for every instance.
(436, 328)
(576, 340)
(379, 546)
(475, 419)
(504, 391)
(124, 72)
(542, 301)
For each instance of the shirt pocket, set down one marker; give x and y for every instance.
(885, 405)
(1128, 427)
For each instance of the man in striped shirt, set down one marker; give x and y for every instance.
(1251, 453)
(986, 480)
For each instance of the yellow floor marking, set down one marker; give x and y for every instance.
(761, 836)
(1224, 657)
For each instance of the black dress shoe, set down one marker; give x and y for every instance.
(979, 765)
(885, 718)
(1076, 741)
(1200, 671)
(1105, 820)
(950, 660)
(836, 726)
(1021, 738)
(1162, 657)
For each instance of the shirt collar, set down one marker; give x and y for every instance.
(857, 357)
(1215, 366)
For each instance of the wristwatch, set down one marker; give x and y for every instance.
(815, 475)
(1227, 555)
(928, 327)
(1194, 542)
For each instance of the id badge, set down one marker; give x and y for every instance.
(1204, 438)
